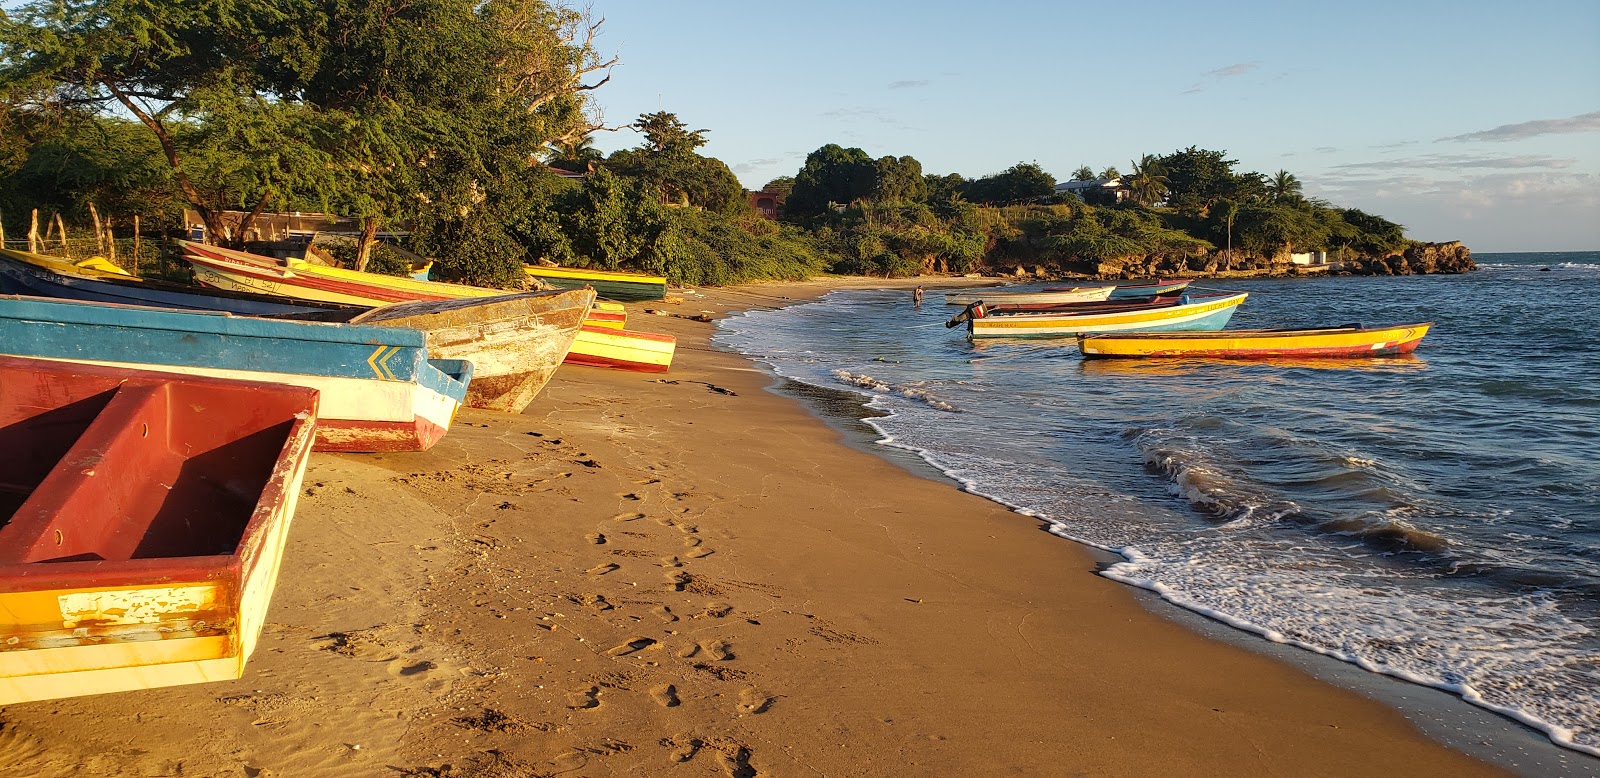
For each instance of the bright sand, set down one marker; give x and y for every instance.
(689, 575)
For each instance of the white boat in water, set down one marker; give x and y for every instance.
(1086, 294)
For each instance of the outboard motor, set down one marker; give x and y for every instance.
(973, 311)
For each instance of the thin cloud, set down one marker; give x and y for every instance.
(1461, 162)
(1230, 71)
(1586, 122)
(915, 84)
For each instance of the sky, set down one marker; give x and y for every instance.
(1467, 121)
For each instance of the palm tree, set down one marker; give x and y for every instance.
(1283, 187)
(1110, 174)
(1226, 210)
(1083, 173)
(575, 154)
(1146, 182)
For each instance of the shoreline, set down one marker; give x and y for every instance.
(1441, 714)
(687, 573)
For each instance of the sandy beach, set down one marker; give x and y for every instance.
(688, 574)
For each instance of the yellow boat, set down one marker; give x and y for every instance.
(644, 352)
(607, 283)
(1350, 341)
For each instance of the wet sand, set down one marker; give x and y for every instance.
(690, 575)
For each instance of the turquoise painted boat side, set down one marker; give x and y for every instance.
(449, 377)
(128, 334)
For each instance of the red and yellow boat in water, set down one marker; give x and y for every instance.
(1347, 341)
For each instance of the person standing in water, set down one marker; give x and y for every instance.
(916, 297)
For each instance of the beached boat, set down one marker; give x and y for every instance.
(380, 392)
(610, 284)
(644, 352)
(1347, 341)
(242, 271)
(1045, 297)
(143, 517)
(515, 342)
(1123, 291)
(1199, 312)
(36, 274)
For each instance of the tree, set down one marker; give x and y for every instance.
(577, 155)
(1146, 182)
(780, 186)
(664, 134)
(1022, 181)
(1225, 211)
(1083, 173)
(1283, 187)
(1110, 173)
(899, 179)
(832, 174)
(1197, 177)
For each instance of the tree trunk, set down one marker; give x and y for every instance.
(2, 231)
(369, 234)
(33, 233)
(99, 234)
(215, 229)
(248, 222)
(136, 244)
(66, 251)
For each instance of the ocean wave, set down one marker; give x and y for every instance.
(864, 381)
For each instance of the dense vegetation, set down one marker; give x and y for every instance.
(436, 115)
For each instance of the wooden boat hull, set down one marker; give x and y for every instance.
(628, 287)
(42, 276)
(1259, 344)
(380, 391)
(643, 352)
(1142, 288)
(1047, 297)
(144, 522)
(514, 342)
(1202, 313)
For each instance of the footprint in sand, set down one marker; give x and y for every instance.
(753, 701)
(584, 699)
(629, 496)
(603, 569)
(678, 580)
(700, 553)
(683, 747)
(633, 646)
(627, 517)
(665, 695)
(671, 561)
(597, 538)
(718, 650)
(688, 652)
(716, 609)
(691, 541)
(664, 613)
(596, 601)
(735, 761)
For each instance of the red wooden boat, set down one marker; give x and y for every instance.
(143, 517)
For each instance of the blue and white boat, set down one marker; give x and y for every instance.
(1198, 312)
(379, 390)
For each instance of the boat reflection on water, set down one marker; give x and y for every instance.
(1185, 366)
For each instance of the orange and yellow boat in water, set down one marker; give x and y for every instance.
(1348, 341)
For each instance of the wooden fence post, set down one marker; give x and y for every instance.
(33, 233)
(66, 251)
(136, 244)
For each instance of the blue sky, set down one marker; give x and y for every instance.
(1461, 120)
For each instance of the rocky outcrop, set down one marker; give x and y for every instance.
(1449, 257)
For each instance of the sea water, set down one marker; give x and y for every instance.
(1433, 517)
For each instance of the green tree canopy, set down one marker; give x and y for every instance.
(832, 174)
(1022, 181)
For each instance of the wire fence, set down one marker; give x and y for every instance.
(143, 256)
